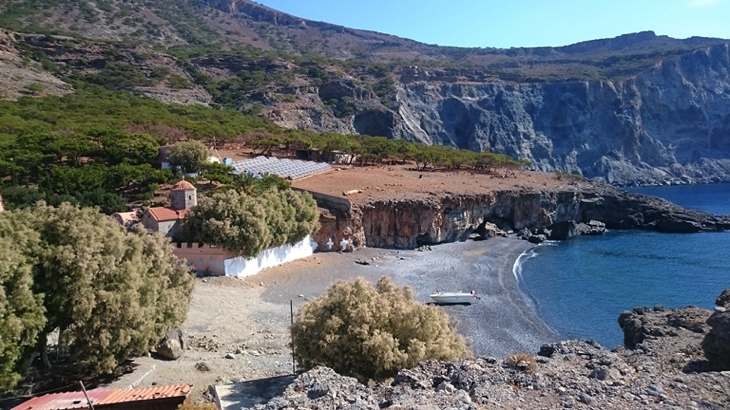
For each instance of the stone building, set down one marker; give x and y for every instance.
(167, 220)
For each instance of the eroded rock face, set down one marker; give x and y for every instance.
(671, 123)
(716, 344)
(588, 208)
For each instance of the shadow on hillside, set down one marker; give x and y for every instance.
(250, 393)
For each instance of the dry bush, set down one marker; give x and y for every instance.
(372, 332)
(522, 361)
(197, 406)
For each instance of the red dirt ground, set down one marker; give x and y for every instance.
(400, 182)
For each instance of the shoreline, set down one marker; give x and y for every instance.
(504, 321)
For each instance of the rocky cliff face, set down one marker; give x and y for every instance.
(412, 223)
(671, 123)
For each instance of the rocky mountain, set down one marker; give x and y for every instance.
(636, 109)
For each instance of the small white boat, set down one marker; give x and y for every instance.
(451, 298)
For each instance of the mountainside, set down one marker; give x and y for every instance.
(638, 108)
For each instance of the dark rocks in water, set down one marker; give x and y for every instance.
(670, 225)
(716, 344)
(591, 228)
(563, 230)
(536, 239)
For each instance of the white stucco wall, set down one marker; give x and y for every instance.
(269, 258)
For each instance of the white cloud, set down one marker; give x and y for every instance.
(702, 3)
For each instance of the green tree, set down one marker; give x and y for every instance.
(109, 293)
(119, 146)
(189, 156)
(372, 332)
(248, 224)
(21, 311)
(217, 172)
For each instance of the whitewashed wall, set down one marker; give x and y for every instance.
(269, 258)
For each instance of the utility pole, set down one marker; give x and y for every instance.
(91, 406)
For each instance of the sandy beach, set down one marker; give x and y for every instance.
(247, 319)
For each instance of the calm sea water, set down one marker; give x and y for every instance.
(581, 286)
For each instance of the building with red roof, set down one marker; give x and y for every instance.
(167, 220)
(148, 398)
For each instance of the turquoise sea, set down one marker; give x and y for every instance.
(580, 286)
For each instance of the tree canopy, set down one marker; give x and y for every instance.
(108, 292)
(372, 332)
(247, 224)
(188, 156)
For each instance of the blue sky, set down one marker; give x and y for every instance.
(517, 23)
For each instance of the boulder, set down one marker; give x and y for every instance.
(489, 230)
(563, 230)
(716, 343)
(172, 345)
(645, 323)
(675, 225)
(537, 239)
(591, 228)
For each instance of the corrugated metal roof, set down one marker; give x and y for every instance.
(76, 400)
(64, 401)
(149, 393)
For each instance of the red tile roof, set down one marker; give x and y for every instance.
(183, 186)
(98, 397)
(161, 214)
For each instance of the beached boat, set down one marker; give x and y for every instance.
(451, 298)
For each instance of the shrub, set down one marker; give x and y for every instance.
(522, 361)
(372, 332)
(197, 406)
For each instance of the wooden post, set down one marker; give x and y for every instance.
(91, 406)
(291, 316)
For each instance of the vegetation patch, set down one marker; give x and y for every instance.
(371, 333)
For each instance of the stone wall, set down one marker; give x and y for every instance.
(203, 258)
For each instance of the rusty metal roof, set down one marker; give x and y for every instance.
(148, 393)
(98, 397)
(64, 401)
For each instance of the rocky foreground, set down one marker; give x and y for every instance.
(664, 367)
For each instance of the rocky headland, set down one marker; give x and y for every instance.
(403, 209)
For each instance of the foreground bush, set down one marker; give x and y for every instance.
(372, 332)
(109, 293)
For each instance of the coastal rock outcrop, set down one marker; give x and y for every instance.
(716, 344)
(586, 207)
(569, 374)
